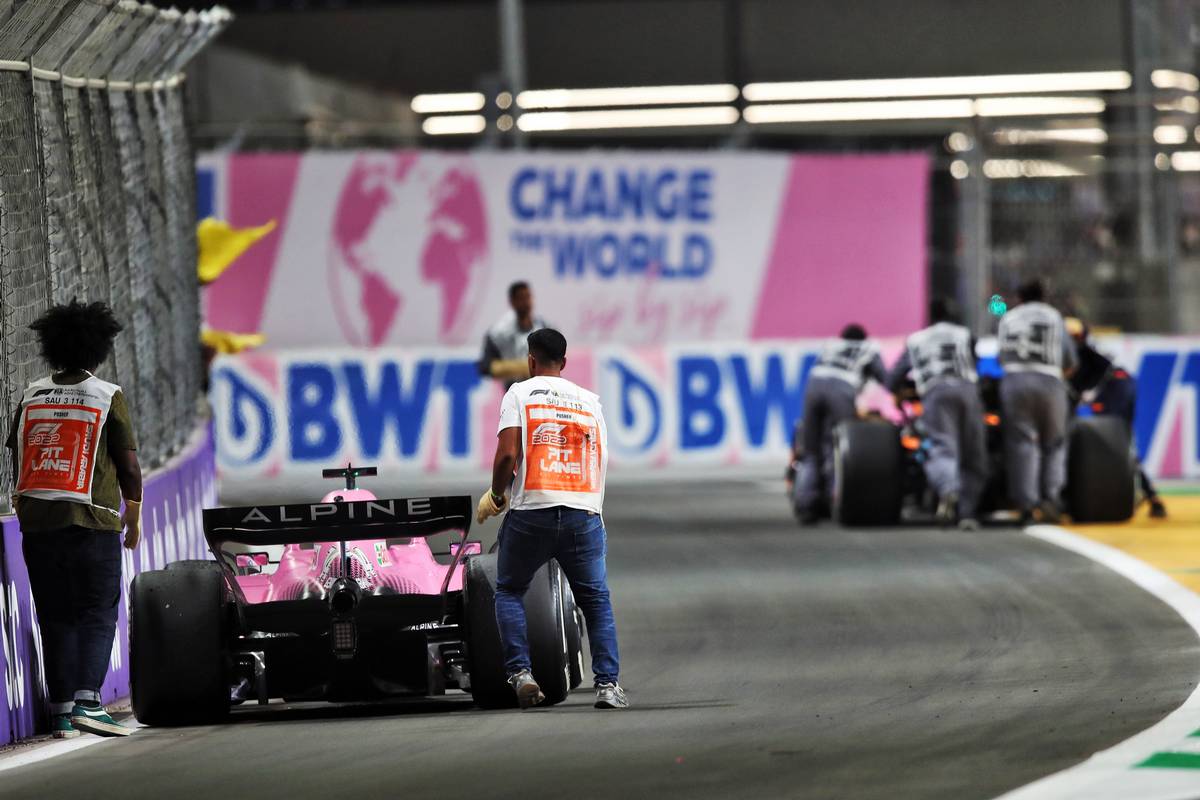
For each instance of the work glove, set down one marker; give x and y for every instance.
(131, 519)
(489, 506)
(510, 369)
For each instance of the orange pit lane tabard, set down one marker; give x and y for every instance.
(59, 434)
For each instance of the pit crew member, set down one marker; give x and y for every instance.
(941, 359)
(552, 433)
(1036, 354)
(75, 457)
(842, 370)
(504, 346)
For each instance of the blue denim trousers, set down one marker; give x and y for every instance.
(528, 539)
(75, 575)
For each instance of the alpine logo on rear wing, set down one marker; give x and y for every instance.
(287, 524)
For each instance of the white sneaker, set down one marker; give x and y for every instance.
(611, 695)
(529, 694)
(947, 510)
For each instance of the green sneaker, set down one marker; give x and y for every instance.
(97, 721)
(61, 727)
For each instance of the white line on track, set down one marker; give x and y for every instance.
(52, 748)
(1110, 774)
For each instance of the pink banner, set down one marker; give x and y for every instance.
(418, 248)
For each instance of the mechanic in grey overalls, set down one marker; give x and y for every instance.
(941, 359)
(1036, 353)
(841, 371)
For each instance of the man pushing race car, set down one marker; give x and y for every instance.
(941, 359)
(552, 433)
(970, 446)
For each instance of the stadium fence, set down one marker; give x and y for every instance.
(97, 198)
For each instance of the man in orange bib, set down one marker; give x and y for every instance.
(552, 434)
(74, 458)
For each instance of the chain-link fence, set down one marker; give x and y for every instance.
(97, 197)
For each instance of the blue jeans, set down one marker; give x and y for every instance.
(75, 575)
(528, 539)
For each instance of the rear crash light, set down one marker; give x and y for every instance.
(343, 638)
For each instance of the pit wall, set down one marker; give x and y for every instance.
(173, 499)
(422, 413)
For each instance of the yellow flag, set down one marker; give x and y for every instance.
(220, 245)
(229, 343)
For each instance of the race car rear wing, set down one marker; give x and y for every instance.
(411, 517)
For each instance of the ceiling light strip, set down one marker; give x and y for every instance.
(627, 96)
(448, 103)
(454, 125)
(969, 85)
(627, 118)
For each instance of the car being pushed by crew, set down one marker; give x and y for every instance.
(879, 477)
(341, 600)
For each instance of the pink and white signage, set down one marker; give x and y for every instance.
(380, 248)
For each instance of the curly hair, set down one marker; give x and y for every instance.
(76, 335)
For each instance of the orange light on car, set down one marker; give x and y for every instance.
(918, 409)
(910, 442)
(991, 420)
(1097, 408)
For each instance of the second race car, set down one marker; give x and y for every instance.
(879, 478)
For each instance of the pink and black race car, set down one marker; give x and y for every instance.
(341, 600)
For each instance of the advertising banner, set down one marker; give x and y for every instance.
(378, 249)
(427, 412)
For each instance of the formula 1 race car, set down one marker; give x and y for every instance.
(879, 478)
(341, 600)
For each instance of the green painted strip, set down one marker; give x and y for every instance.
(1179, 491)
(1194, 734)
(1173, 761)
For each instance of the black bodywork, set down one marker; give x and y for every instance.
(344, 643)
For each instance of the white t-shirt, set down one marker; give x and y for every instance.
(507, 337)
(564, 444)
(849, 360)
(1033, 338)
(939, 353)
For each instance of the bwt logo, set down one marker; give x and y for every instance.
(753, 398)
(44, 433)
(549, 433)
(329, 410)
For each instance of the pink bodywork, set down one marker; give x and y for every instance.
(404, 568)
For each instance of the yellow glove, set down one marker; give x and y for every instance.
(132, 520)
(489, 507)
(510, 369)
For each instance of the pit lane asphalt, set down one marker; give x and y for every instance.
(761, 660)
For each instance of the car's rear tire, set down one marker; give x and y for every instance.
(1101, 474)
(573, 623)
(868, 484)
(544, 628)
(178, 635)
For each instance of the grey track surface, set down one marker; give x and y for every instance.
(761, 659)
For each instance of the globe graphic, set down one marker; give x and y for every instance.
(409, 252)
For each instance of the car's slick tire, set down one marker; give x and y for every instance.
(544, 629)
(1101, 474)
(868, 484)
(573, 623)
(179, 660)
